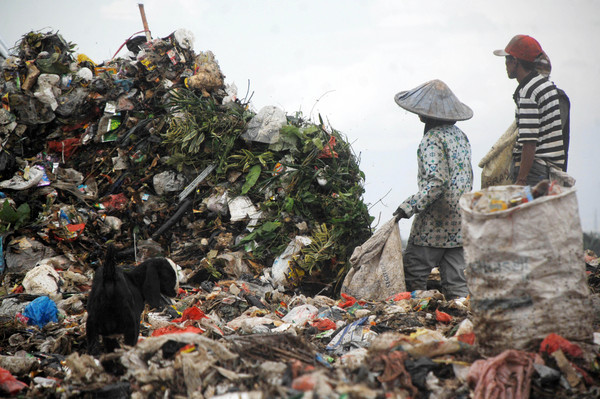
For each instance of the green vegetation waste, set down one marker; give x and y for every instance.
(309, 182)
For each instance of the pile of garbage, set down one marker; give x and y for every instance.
(261, 211)
(154, 152)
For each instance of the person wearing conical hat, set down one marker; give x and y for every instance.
(542, 121)
(444, 174)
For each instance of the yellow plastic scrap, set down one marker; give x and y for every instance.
(498, 205)
(84, 58)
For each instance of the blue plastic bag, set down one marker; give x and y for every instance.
(41, 311)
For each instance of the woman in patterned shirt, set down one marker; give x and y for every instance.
(444, 175)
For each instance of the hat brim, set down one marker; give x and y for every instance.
(500, 53)
(434, 100)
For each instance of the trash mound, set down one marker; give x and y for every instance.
(157, 154)
(261, 211)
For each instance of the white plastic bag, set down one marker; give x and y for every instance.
(282, 266)
(377, 270)
(525, 271)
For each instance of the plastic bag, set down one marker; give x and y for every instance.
(283, 271)
(9, 384)
(168, 181)
(496, 163)
(300, 315)
(525, 271)
(378, 271)
(42, 280)
(41, 311)
(357, 333)
(264, 127)
(71, 102)
(30, 177)
(29, 110)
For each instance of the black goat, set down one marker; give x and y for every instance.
(118, 297)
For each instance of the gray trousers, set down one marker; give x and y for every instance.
(418, 262)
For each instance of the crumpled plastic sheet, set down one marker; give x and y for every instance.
(506, 376)
(41, 311)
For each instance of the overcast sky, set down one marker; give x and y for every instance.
(346, 59)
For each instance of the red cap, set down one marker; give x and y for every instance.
(522, 47)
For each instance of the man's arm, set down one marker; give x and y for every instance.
(527, 156)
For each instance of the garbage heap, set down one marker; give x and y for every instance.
(154, 152)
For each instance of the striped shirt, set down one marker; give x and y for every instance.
(538, 119)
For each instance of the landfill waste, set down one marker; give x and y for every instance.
(155, 152)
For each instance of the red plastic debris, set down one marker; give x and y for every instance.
(442, 317)
(9, 384)
(505, 376)
(304, 383)
(350, 300)
(468, 338)
(395, 373)
(191, 313)
(173, 329)
(116, 201)
(324, 324)
(554, 342)
(65, 147)
(400, 296)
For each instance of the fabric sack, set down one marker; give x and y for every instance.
(377, 270)
(525, 271)
(496, 163)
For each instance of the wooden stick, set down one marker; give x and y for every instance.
(143, 14)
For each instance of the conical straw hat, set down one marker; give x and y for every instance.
(435, 100)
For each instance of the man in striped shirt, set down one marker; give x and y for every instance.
(540, 134)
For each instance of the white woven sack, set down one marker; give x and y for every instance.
(525, 272)
(377, 270)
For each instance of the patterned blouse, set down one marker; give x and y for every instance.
(445, 174)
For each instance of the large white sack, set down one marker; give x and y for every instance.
(525, 271)
(377, 269)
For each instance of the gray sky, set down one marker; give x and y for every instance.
(345, 59)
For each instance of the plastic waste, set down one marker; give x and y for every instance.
(19, 365)
(23, 253)
(264, 127)
(42, 280)
(47, 90)
(30, 177)
(242, 207)
(208, 75)
(72, 102)
(282, 265)
(357, 332)
(354, 358)
(300, 315)
(41, 311)
(11, 306)
(9, 384)
(168, 181)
